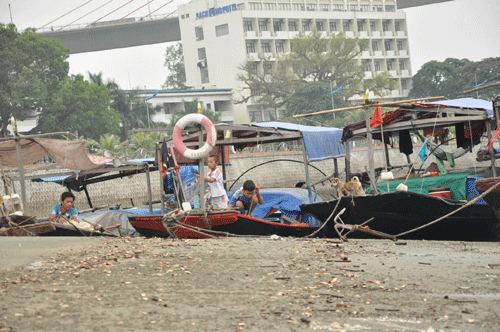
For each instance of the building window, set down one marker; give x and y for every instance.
(250, 47)
(397, 26)
(389, 64)
(338, 8)
(255, 68)
(319, 26)
(268, 68)
(333, 26)
(372, 26)
(277, 26)
(400, 45)
(299, 7)
(385, 25)
(387, 45)
(292, 26)
(347, 26)
(403, 84)
(401, 65)
(376, 64)
(254, 90)
(187, 15)
(198, 31)
(354, 8)
(306, 26)
(311, 7)
(266, 48)
(390, 8)
(279, 47)
(374, 46)
(378, 8)
(270, 115)
(255, 5)
(360, 26)
(262, 25)
(222, 30)
(365, 8)
(247, 26)
(255, 116)
(202, 65)
(269, 6)
(366, 65)
(284, 6)
(202, 55)
(324, 8)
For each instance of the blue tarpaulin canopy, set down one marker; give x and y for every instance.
(321, 142)
(466, 103)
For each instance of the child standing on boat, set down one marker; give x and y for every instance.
(215, 183)
(247, 197)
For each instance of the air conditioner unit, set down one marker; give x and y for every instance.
(202, 63)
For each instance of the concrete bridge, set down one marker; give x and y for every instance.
(136, 32)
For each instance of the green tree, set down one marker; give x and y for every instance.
(31, 68)
(79, 106)
(446, 78)
(174, 61)
(313, 58)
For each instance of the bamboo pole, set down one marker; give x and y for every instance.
(392, 103)
(481, 88)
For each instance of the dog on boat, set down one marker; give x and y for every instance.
(352, 187)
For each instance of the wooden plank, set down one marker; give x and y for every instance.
(419, 124)
(392, 103)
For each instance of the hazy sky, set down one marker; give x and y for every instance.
(458, 29)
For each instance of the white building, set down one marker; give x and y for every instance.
(219, 101)
(218, 36)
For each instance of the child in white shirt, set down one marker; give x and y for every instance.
(216, 184)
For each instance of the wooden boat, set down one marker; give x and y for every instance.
(493, 197)
(401, 211)
(218, 223)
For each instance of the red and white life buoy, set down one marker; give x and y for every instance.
(205, 150)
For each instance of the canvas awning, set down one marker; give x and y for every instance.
(321, 142)
(68, 154)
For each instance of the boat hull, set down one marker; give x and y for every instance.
(398, 212)
(225, 224)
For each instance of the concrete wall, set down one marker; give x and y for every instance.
(278, 171)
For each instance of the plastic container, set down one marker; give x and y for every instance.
(442, 192)
(186, 206)
(13, 204)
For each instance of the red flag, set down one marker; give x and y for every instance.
(495, 136)
(377, 117)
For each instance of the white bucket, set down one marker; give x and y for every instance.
(402, 187)
(13, 204)
(387, 176)
(186, 206)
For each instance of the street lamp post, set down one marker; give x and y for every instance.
(147, 107)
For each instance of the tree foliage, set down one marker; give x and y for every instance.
(31, 68)
(79, 106)
(453, 76)
(313, 58)
(174, 61)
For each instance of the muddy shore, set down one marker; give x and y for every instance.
(254, 284)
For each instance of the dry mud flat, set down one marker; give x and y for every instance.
(254, 284)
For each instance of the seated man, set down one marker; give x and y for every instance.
(65, 209)
(246, 198)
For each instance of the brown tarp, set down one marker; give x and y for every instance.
(69, 154)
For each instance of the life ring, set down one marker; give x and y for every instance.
(205, 150)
